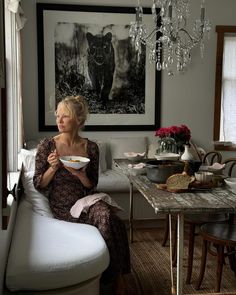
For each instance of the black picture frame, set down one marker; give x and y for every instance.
(57, 47)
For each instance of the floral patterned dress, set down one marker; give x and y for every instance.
(65, 189)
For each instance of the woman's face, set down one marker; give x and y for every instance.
(64, 121)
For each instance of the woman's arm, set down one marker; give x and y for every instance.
(53, 160)
(44, 172)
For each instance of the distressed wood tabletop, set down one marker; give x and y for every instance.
(218, 199)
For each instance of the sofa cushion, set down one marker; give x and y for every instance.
(47, 253)
(102, 156)
(27, 159)
(39, 202)
(113, 181)
(118, 146)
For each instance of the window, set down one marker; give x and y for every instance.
(14, 22)
(225, 89)
(11, 98)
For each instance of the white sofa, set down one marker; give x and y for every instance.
(49, 256)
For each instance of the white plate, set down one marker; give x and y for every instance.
(167, 156)
(75, 162)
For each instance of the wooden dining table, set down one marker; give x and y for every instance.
(212, 200)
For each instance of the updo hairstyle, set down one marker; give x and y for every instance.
(77, 107)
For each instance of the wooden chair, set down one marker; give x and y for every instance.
(212, 157)
(194, 221)
(222, 236)
(230, 167)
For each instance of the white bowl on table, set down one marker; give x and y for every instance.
(134, 157)
(137, 169)
(75, 162)
(231, 183)
(204, 176)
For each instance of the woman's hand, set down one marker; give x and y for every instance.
(53, 160)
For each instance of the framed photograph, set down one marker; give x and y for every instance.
(86, 50)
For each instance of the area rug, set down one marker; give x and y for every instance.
(151, 267)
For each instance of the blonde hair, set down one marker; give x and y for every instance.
(77, 107)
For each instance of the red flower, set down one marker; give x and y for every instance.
(163, 132)
(181, 134)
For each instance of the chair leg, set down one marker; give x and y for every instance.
(166, 233)
(203, 263)
(220, 260)
(174, 256)
(232, 259)
(190, 252)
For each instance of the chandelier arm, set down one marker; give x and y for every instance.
(191, 37)
(152, 34)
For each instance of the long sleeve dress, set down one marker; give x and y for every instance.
(65, 189)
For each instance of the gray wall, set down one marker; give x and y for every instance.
(187, 98)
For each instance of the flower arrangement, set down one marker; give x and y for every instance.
(181, 134)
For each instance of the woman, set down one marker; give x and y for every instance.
(65, 185)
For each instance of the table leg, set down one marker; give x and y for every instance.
(131, 199)
(180, 251)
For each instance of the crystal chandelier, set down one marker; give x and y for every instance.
(169, 41)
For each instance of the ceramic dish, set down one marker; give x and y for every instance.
(75, 162)
(135, 157)
(137, 169)
(204, 176)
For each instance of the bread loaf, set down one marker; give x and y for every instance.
(179, 181)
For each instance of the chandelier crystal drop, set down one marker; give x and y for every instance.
(169, 41)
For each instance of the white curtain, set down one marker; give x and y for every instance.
(228, 96)
(15, 20)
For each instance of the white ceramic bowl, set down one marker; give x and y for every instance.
(231, 182)
(75, 162)
(204, 176)
(135, 157)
